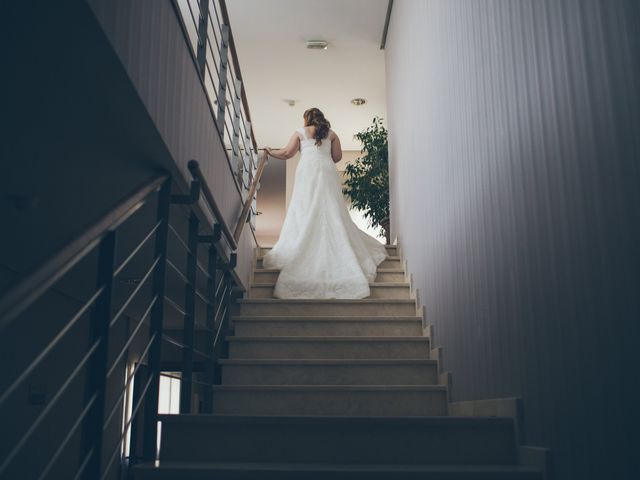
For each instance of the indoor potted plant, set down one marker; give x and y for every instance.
(367, 179)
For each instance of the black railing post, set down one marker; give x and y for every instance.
(155, 328)
(236, 159)
(186, 384)
(222, 81)
(97, 372)
(203, 23)
(229, 300)
(212, 307)
(223, 328)
(139, 380)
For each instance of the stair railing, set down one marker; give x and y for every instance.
(207, 287)
(202, 310)
(206, 28)
(214, 301)
(98, 311)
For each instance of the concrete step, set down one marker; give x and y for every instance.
(352, 400)
(391, 250)
(331, 307)
(338, 439)
(392, 261)
(267, 326)
(329, 347)
(323, 471)
(329, 372)
(388, 275)
(377, 290)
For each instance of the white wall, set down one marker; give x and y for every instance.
(514, 152)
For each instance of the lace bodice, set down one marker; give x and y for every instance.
(309, 144)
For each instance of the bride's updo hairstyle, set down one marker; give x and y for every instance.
(314, 117)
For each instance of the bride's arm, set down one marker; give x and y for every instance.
(287, 152)
(336, 149)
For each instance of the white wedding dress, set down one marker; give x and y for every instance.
(321, 253)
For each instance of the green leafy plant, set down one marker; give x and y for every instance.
(367, 179)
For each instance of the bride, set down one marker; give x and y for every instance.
(321, 253)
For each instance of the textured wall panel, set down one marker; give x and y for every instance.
(514, 166)
(147, 36)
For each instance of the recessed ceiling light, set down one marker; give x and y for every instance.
(317, 44)
(358, 101)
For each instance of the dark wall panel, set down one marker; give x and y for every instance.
(74, 137)
(514, 167)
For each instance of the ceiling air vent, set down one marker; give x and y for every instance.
(317, 45)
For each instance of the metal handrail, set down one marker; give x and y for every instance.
(27, 291)
(252, 189)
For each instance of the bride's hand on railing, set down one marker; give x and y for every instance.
(279, 153)
(274, 152)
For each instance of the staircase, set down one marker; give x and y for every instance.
(334, 389)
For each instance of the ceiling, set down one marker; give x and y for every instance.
(270, 38)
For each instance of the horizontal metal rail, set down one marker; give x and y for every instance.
(67, 438)
(133, 295)
(186, 247)
(132, 336)
(14, 302)
(137, 249)
(45, 412)
(50, 346)
(85, 462)
(173, 304)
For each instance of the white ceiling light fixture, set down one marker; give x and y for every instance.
(317, 45)
(358, 101)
